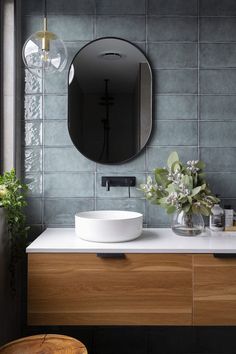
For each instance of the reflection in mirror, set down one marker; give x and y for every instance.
(110, 100)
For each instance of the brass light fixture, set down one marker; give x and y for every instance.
(43, 52)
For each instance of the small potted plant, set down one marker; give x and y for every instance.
(183, 191)
(12, 202)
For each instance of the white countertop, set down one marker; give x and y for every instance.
(64, 240)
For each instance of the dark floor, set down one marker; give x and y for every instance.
(149, 340)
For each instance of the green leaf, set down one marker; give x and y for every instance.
(186, 208)
(187, 181)
(171, 209)
(204, 211)
(171, 188)
(195, 191)
(161, 177)
(163, 200)
(172, 158)
(176, 166)
(190, 199)
(201, 165)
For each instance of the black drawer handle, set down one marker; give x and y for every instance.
(111, 255)
(224, 255)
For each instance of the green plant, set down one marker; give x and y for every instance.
(180, 187)
(12, 199)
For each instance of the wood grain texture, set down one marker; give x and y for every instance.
(44, 343)
(82, 289)
(214, 301)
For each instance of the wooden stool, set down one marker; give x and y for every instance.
(44, 344)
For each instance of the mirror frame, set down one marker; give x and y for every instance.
(150, 103)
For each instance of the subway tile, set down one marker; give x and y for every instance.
(217, 134)
(56, 133)
(222, 183)
(136, 164)
(69, 184)
(33, 107)
(172, 56)
(75, 28)
(34, 183)
(175, 107)
(225, 201)
(127, 27)
(157, 156)
(119, 192)
(29, 7)
(219, 159)
(33, 211)
(71, 7)
(172, 29)
(172, 7)
(72, 49)
(121, 7)
(217, 7)
(174, 133)
(30, 25)
(220, 29)
(33, 84)
(218, 55)
(34, 232)
(218, 107)
(133, 204)
(33, 133)
(57, 84)
(32, 161)
(66, 159)
(157, 216)
(55, 107)
(135, 191)
(175, 81)
(221, 81)
(62, 211)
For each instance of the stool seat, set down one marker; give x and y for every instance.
(44, 344)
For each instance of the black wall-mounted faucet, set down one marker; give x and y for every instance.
(118, 181)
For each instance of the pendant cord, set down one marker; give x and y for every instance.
(45, 8)
(45, 25)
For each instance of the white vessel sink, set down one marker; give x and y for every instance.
(108, 225)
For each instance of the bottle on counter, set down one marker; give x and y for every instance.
(234, 224)
(217, 218)
(229, 216)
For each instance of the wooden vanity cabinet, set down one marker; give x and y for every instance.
(214, 291)
(140, 289)
(83, 289)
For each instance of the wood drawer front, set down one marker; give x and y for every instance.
(82, 289)
(214, 290)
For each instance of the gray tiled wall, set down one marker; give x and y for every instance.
(192, 48)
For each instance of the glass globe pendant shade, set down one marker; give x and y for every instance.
(44, 53)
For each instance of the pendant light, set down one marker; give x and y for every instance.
(43, 52)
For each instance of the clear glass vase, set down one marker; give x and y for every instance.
(187, 224)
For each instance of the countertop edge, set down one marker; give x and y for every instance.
(153, 240)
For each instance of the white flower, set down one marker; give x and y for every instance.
(192, 166)
(172, 198)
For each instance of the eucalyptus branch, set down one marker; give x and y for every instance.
(180, 187)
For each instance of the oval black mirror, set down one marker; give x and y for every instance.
(110, 100)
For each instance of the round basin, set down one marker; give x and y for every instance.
(108, 225)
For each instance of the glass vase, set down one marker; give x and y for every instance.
(187, 224)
